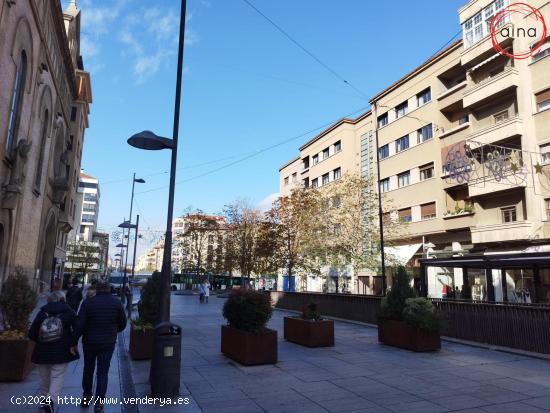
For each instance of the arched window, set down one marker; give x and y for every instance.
(16, 103)
(43, 138)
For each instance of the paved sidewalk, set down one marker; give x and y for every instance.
(357, 375)
(72, 387)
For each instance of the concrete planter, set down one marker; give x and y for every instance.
(398, 334)
(248, 348)
(141, 343)
(309, 333)
(15, 359)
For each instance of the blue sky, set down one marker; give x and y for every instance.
(245, 87)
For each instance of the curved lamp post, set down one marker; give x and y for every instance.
(148, 140)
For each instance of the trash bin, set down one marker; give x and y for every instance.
(166, 361)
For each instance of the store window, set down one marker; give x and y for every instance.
(477, 284)
(520, 287)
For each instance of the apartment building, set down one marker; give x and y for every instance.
(464, 149)
(325, 158)
(87, 205)
(45, 95)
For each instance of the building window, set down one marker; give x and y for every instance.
(402, 143)
(73, 113)
(508, 214)
(543, 100)
(382, 120)
(384, 185)
(43, 138)
(325, 154)
(294, 177)
(315, 159)
(501, 116)
(403, 179)
(16, 103)
(305, 182)
(547, 207)
(315, 183)
(424, 97)
(427, 211)
(384, 151)
(427, 171)
(425, 133)
(286, 181)
(479, 26)
(544, 51)
(337, 147)
(337, 174)
(464, 119)
(405, 215)
(545, 154)
(305, 162)
(336, 202)
(325, 179)
(401, 109)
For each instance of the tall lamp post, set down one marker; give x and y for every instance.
(128, 225)
(149, 141)
(380, 212)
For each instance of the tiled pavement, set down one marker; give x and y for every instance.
(357, 375)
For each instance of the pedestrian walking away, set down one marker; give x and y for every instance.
(206, 290)
(100, 318)
(74, 295)
(54, 332)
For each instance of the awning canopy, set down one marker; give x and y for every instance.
(401, 254)
(493, 57)
(524, 260)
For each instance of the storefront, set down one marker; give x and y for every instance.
(512, 278)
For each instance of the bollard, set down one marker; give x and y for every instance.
(166, 361)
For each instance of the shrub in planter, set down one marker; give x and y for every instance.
(17, 301)
(246, 339)
(142, 335)
(407, 321)
(310, 329)
(142, 331)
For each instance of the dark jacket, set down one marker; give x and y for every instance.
(57, 352)
(74, 297)
(100, 318)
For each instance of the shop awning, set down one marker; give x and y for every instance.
(401, 254)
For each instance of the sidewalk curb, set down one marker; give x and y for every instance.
(127, 387)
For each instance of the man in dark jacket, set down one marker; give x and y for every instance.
(74, 295)
(52, 356)
(100, 318)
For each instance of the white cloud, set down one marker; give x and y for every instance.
(266, 203)
(88, 47)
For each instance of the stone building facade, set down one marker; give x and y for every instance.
(45, 95)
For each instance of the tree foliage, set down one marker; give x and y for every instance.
(84, 257)
(17, 301)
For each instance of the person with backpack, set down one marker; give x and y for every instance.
(100, 318)
(53, 331)
(74, 295)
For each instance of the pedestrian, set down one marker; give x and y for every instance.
(201, 292)
(74, 295)
(53, 331)
(100, 318)
(90, 291)
(206, 290)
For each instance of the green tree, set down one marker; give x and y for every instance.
(84, 257)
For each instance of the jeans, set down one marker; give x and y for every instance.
(51, 379)
(101, 353)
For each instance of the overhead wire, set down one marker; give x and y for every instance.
(305, 50)
(256, 153)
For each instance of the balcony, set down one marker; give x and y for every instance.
(451, 98)
(488, 185)
(481, 92)
(520, 230)
(498, 131)
(458, 221)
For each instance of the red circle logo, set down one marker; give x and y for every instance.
(534, 21)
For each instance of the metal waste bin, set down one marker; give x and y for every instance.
(166, 361)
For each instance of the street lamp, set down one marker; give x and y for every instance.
(128, 225)
(147, 140)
